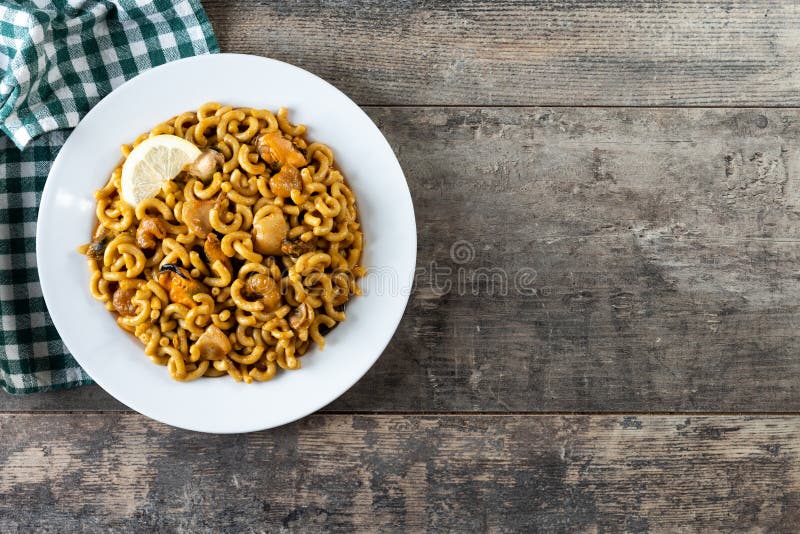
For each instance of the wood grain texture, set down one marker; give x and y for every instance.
(660, 251)
(403, 473)
(519, 53)
(661, 245)
(84, 398)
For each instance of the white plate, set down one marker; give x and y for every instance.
(114, 359)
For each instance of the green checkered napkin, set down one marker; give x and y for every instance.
(57, 60)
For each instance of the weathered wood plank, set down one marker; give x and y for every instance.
(660, 249)
(450, 473)
(86, 398)
(663, 247)
(546, 53)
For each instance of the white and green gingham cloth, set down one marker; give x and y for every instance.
(57, 60)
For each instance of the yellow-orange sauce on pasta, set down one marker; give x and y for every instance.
(240, 272)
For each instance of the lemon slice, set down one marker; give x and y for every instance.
(152, 163)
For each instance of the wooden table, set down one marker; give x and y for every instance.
(634, 171)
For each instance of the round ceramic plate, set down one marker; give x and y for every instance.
(115, 359)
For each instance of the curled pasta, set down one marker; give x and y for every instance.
(238, 272)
